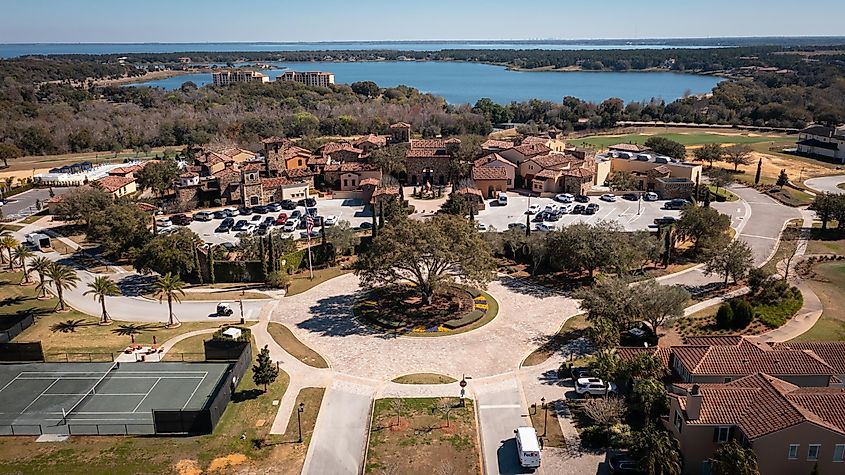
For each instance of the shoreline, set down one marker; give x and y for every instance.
(149, 76)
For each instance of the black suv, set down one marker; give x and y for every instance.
(288, 205)
(181, 219)
(582, 199)
(630, 197)
(578, 209)
(591, 208)
(225, 225)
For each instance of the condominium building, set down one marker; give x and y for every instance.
(309, 78)
(224, 78)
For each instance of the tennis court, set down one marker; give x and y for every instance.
(102, 395)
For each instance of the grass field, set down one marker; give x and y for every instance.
(424, 378)
(575, 327)
(831, 241)
(829, 286)
(302, 281)
(688, 139)
(39, 162)
(296, 348)
(419, 439)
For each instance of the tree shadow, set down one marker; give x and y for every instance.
(130, 329)
(69, 326)
(332, 316)
(530, 286)
(246, 395)
(16, 300)
(135, 285)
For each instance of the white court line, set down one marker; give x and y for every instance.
(39, 396)
(145, 395)
(121, 372)
(98, 394)
(10, 382)
(194, 392)
(116, 377)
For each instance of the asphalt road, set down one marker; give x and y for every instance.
(826, 184)
(500, 411)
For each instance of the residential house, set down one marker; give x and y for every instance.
(213, 162)
(117, 186)
(348, 176)
(490, 180)
(493, 146)
(274, 159)
(520, 153)
(189, 178)
(494, 160)
(368, 143)
(257, 190)
(238, 155)
(791, 429)
(821, 141)
(342, 152)
(473, 195)
(296, 157)
(429, 160)
(400, 132)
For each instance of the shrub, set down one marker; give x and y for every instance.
(725, 316)
(245, 334)
(776, 314)
(279, 279)
(743, 313)
(599, 436)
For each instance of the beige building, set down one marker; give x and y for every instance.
(224, 78)
(494, 160)
(309, 78)
(118, 186)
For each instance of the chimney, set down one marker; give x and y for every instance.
(694, 403)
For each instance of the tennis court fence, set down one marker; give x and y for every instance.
(11, 332)
(78, 357)
(77, 429)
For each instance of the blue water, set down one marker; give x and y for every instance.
(11, 50)
(460, 82)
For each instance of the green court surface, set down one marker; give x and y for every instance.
(52, 395)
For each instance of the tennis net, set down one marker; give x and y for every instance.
(88, 393)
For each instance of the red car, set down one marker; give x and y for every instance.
(282, 219)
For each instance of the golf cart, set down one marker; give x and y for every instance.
(224, 310)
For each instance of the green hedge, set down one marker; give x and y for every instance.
(775, 315)
(467, 319)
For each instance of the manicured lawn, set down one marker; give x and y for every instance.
(841, 186)
(311, 398)
(829, 286)
(575, 327)
(189, 349)
(35, 217)
(420, 440)
(690, 139)
(547, 425)
(723, 193)
(424, 378)
(302, 281)
(286, 339)
(831, 241)
(786, 246)
(10, 227)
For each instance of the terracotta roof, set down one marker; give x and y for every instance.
(252, 166)
(318, 160)
(489, 173)
(333, 147)
(427, 153)
(231, 152)
(212, 158)
(492, 157)
(548, 174)
(428, 143)
(531, 150)
(629, 147)
(347, 167)
(579, 172)
(553, 160)
(469, 191)
(499, 144)
(294, 151)
(385, 191)
(723, 340)
(146, 207)
(748, 359)
(533, 139)
(114, 183)
(400, 125)
(188, 175)
(299, 172)
(832, 352)
(377, 140)
(760, 404)
(369, 181)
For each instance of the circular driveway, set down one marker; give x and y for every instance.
(322, 319)
(826, 184)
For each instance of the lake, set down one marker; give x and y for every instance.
(460, 82)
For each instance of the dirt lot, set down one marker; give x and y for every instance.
(420, 440)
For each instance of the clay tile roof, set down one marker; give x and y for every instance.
(831, 352)
(629, 147)
(252, 166)
(385, 191)
(321, 160)
(333, 147)
(146, 207)
(499, 144)
(579, 172)
(531, 150)
(427, 153)
(469, 191)
(349, 167)
(188, 175)
(225, 172)
(723, 340)
(428, 143)
(114, 183)
(749, 359)
(231, 152)
(532, 140)
(489, 173)
(548, 174)
(379, 140)
(492, 157)
(553, 160)
(294, 151)
(275, 182)
(401, 125)
(369, 181)
(299, 172)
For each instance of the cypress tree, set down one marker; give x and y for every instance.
(375, 228)
(380, 215)
(262, 257)
(707, 198)
(197, 265)
(759, 170)
(271, 254)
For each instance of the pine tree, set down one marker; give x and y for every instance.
(264, 372)
(783, 179)
(759, 170)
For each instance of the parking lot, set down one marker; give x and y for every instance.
(632, 215)
(353, 211)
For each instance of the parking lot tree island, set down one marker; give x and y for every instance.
(428, 255)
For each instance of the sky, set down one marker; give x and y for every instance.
(122, 21)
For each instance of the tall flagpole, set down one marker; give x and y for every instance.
(308, 228)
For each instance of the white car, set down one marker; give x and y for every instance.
(566, 209)
(533, 209)
(543, 227)
(564, 198)
(593, 387)
(481, 227)
(651, 196)
(290, 226)
(550, 208)
(608, 197)
(330, 220)
(163, 223)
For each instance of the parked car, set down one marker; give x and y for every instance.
(542, 227)
(295, 214)
(502, 199)
(564, 209)
(582, 199)
(281, 219)
(259, 209)
(610, 197)
(274, 207)
(163, 223)
(240, 225)
(517, 226)
(307, 202)
(533, 209)
(330, 220)
(593, 387)
(314, 233)
(224, 310)
(181, 219)
(312, 211)
(622, 464)
(256, 218)
(365, 225)
(288, 205)
(481, 227)
(631, 197)
(677, 203)
(550, 208)
(527, 446)
(564, 197)
(231, 212)
(219, 214)
(290, 225)
(245, 211)
(578, 209)
(651, 196)
(578, 373)
(202, 216)
(539, 217)
(553, 217)
(269, 220)
(666, 220)
(225, 226)
(591, 208)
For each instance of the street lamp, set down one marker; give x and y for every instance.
(463, 385)
(545, 414)
(299, 419)
(241, 302)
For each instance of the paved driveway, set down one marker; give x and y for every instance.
(826, 184)
(24, 204)
(501, 410)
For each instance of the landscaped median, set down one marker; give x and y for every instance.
(423, 435)
(454, 309)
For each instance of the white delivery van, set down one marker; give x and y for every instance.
(39, 241)
(503, 198)
(528, 447)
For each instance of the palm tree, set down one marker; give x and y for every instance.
(22, 253)
(656, 451)
(8, 243)
(101, 288)
(63, 278)
(41, 265)
(169, 286)
(734, 459)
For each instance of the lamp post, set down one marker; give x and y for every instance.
(545, 414)
(241, 302)
(299, 419)
(463, 385)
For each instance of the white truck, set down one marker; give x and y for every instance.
(528, 447)
(39, 241)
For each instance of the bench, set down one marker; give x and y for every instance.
(467, 319)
